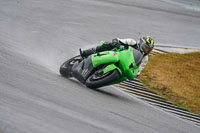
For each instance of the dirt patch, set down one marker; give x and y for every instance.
(176, 77)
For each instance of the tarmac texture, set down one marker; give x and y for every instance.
(37, 36)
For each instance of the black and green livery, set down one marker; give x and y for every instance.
(104, 68)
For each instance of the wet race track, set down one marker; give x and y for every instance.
(37, 36)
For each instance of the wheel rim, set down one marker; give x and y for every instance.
(73, 61)
(99, 75)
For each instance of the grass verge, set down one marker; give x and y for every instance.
(176, 77)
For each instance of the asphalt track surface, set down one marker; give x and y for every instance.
(36, 36)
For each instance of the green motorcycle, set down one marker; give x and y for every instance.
(104, 68)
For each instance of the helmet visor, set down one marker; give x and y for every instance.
(146, 48)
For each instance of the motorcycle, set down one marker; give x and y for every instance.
(103, 68)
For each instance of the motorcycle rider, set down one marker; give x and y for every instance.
(144, 45)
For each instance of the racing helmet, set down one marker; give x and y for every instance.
(146, 44)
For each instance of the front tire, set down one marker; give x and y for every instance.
(96, 81)
(65, 68)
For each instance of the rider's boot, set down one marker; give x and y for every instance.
(86, 53)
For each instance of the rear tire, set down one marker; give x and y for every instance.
(65, 68)
(105, 79)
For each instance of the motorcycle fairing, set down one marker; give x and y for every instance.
(130, 59)
(137, 56)
(104, 58)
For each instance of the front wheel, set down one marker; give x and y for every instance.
(65, 68)
(99, 79)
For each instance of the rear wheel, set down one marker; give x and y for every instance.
(99, 79)
(65, 68)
